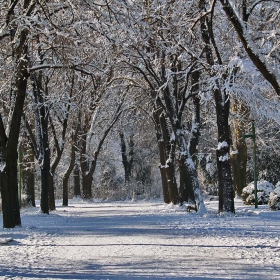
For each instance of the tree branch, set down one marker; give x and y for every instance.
(257, 58)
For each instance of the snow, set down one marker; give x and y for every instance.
(264, 188)
(2, 166)
(221, 145)
(142, 240)
(224, 157)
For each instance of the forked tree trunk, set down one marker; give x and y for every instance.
(88, 168)
(185, 158)
(60, 148)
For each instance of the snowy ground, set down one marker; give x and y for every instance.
(142, 240)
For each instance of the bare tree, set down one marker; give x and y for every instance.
(17, 13)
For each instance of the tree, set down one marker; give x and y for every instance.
(222, 102)
(16, 13)
(153, 51)
(127, 159)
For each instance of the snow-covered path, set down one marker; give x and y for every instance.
(142, 240)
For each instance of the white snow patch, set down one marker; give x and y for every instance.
(190, 163)
(2, 166)
(224, 157)
(221, 145)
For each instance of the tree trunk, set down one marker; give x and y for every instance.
(186, 160)
(51, 191)
(195, 132)
(45, 150)
(86, 185)
(41, 123)
(222, 102)
(67, 174)
(170, 147)
(226, 193)
(9, 191)
(30, 188)
(186, 188)
(186, 191)
(124, 158)
(9, 143)
(239, 154)
(162, 156)
(28, 177)
(77, 185)
(85, 168)
(45, 176)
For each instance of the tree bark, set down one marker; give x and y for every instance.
(162, 156)
(77, 185)
(87, 183)
(9, 192)
(69, 169)
(226, 193)
(66, 176)
(28, 177)
(127, 161)
(86, 174)
(239, 154)
(170, 147)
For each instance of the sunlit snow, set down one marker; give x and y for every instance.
(142, 240)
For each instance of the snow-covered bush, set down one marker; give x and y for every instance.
(264, 188)
(274, 198)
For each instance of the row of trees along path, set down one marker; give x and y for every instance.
(71, 70)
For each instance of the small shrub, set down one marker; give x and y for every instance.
(274, 198)
(264, 188)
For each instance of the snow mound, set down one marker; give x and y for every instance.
(264, 188)
(274, 198)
